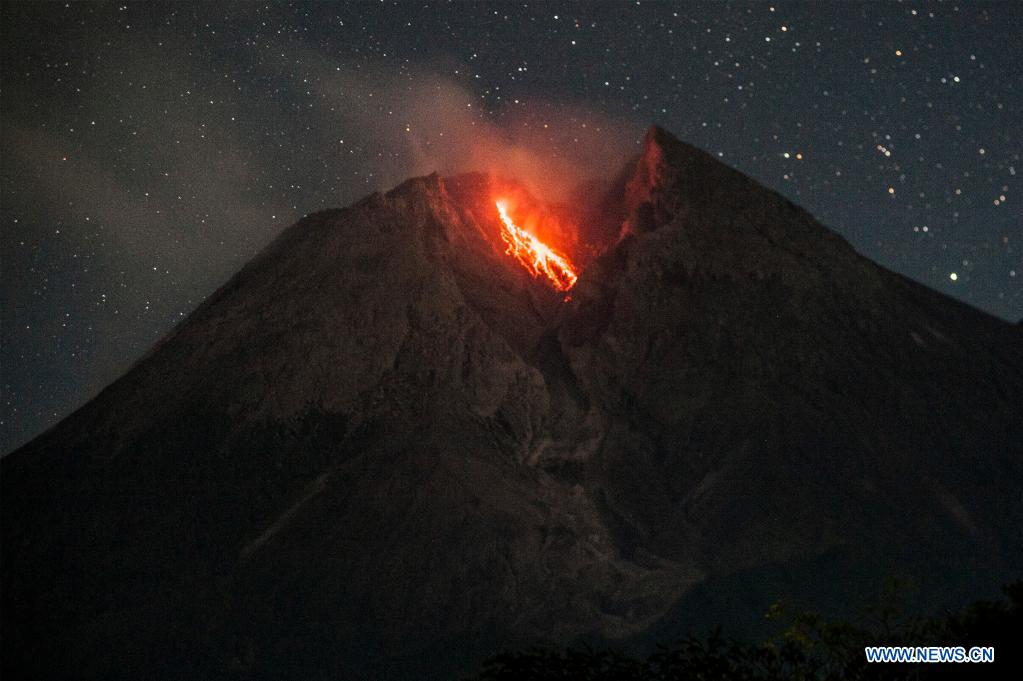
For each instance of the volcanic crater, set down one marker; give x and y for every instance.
(392, 444)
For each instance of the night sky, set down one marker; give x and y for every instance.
(149, 150)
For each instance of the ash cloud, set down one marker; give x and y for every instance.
(424, 121)
(433, 124)
(131, 196)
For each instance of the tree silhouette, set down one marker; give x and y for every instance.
(806, 648)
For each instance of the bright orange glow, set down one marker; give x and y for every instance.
(534, 255)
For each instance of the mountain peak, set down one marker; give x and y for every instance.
(670, 175)
(656, 136)
(411, 451)
(649, 171)
(660, 147)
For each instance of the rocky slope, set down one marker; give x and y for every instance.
(383, 450)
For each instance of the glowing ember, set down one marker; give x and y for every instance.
(534, 255)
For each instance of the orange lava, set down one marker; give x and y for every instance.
(535, 255)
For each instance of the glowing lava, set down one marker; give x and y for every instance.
(535, 255)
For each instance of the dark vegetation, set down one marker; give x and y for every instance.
(806, 648)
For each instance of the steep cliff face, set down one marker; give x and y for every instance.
(383, 449)
(772, 397)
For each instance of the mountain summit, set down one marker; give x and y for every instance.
(387, 447)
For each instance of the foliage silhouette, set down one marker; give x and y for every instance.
(806, 648)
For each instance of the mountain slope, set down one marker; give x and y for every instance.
(384, 450)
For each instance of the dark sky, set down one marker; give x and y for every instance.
(148, 150)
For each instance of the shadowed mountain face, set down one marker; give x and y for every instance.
(384, 450)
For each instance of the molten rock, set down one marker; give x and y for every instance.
(384, 449)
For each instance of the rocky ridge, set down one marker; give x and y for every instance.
(384, 450)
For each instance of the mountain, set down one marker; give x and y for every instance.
(385, 449)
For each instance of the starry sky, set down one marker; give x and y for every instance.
(148, 150)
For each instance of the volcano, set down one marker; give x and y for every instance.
(387, 448)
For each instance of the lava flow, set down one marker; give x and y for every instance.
(534, 255)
